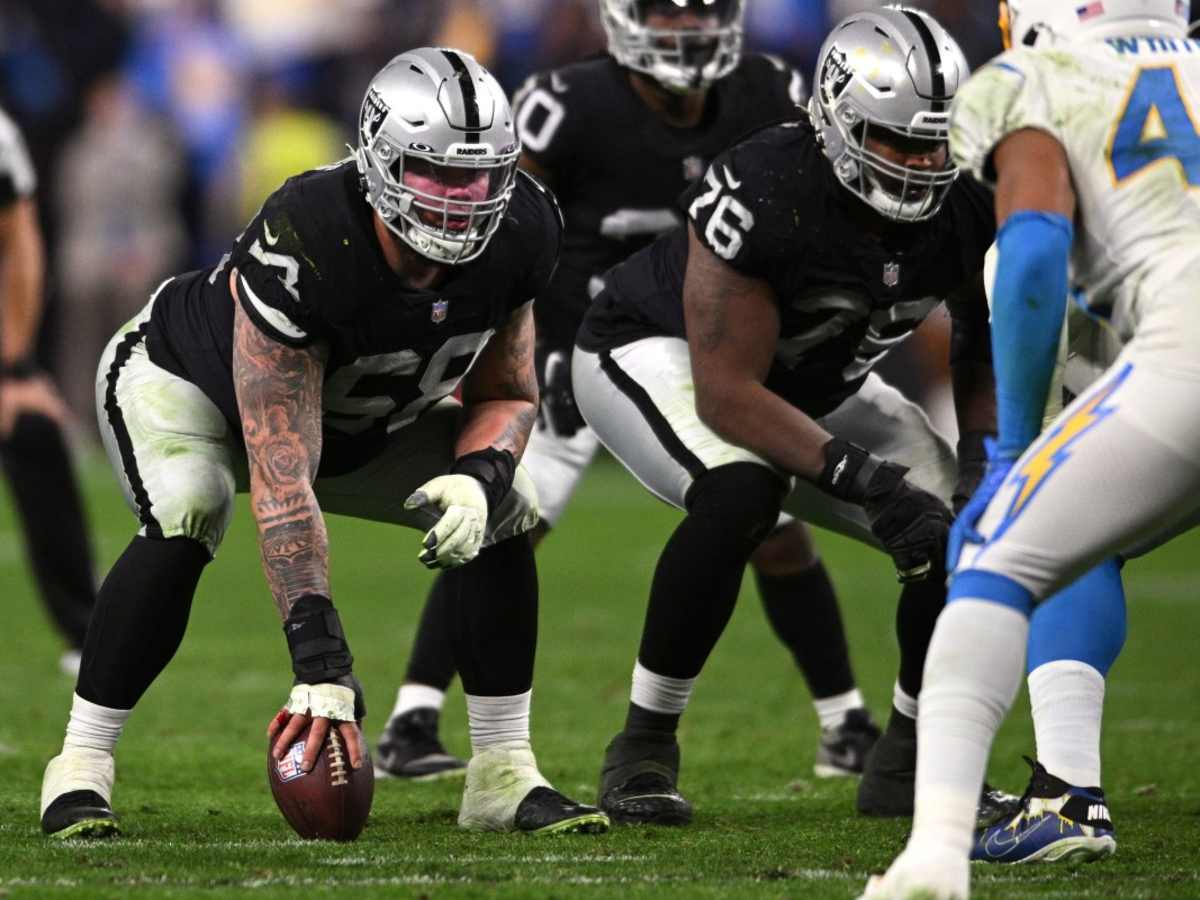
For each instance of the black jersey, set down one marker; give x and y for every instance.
(772, 208)
(618, 170)
(310, 268)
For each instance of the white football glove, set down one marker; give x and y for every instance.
(322, 701)
(462, 510)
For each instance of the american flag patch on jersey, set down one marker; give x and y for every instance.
(1089, 10)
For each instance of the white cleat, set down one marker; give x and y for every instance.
(77, 794)
(498, 779)
(505, 791)
(921, 876)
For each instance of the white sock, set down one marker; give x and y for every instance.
(417, 696)
(972, 674)
(832, 710)
(658, 693)
(904, 702)
(94, 727)
(498, 720)
(1067, 697)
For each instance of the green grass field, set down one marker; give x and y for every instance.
(199, 819)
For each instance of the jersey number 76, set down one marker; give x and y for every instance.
(1155, 125)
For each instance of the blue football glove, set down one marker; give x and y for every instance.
(963, 530)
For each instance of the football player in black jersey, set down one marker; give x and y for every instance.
(729, 366)
(314, 367)
(33, 451)
(619, 138)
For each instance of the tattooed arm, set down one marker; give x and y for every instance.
(500, 392)
(279, 395)
(733, 328)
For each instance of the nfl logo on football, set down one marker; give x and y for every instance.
(440, 309)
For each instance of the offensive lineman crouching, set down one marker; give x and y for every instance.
(728, 366)
(329, 341)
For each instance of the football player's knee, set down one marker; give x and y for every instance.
(517, 513)
(200, 504)
(787, 550)
(743, 498)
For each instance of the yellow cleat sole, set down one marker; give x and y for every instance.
(89, 828)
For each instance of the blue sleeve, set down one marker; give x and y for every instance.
(1029, 302)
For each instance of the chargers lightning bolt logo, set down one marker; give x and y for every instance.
(1056, 446)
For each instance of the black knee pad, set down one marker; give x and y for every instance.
(744, 498)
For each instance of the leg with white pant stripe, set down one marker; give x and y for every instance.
(639, 399)
(1089, 487)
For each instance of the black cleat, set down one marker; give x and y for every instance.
(889, 777)
(546, 811)
(409, 748)
(637, 783)
(79, 814)
(842, 750)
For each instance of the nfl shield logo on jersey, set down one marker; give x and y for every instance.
(693, 168)
(440, 308)
(891, 274)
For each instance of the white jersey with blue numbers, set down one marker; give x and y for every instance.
(1126, 112)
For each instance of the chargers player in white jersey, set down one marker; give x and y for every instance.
(1087, 131)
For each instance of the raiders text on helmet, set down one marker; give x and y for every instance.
(438, 152)
(1038, 22)
(888, 74)
(680, 59)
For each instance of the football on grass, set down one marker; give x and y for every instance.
(332, 801)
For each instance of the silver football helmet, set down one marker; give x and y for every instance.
(438, 152)
(888, 75)
(680, 59)
(1038, 22)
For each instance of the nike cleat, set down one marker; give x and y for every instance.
(1056, 822)
(504, 791)
(842, 750)
(546, 811)
(995, 806)
(76, 792)
(409, 748)
(637, 783)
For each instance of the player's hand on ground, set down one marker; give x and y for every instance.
(558, 410)
(322, 705)
(461, 508)
(19, 396)
(912, 524)
(964, 530)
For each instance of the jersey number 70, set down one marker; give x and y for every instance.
(1155, 125)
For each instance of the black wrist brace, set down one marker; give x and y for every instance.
(971, 448)
(494, 469)
(848, 470)
(316, 641)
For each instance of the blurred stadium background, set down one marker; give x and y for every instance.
(158, 126)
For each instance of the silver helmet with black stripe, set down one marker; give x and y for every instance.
(887, 77)
(437, 150)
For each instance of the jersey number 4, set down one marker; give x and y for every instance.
(1155, 125)
(729, 221)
